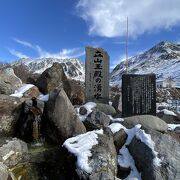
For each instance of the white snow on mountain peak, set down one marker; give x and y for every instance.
(163, 59)
(73, 68)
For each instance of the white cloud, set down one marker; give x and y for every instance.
(17, 53)
(62, 54)
(24, 43)
(108, 17)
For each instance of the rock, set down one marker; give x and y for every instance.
(119, 139)
(52, 78)
(32, 78)
(115, 102)
(103, 160)
(96, 120)
(24, 126)
(174, 135)
(168, 151)
(177, 130)
(4, 174)
(169, 119)
(102, 176)
(63, 121)
(8, 81)
(10, 109)
(77, 93)
(13, 151)
(147, 121)
(105, 108)
(82, 110)
(29, 103)
(32, 92)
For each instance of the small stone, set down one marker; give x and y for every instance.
(82, 110)
(177, 130)
(96, 120)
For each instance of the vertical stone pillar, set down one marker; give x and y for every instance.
(97, 75)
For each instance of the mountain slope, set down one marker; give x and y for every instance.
(163, 60)
(73, 67)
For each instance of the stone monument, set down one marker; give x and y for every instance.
(97, 75)
(138, 94)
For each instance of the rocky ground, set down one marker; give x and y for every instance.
(74, 140)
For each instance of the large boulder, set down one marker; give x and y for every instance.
(148, 121)
(168, 151)
(170, 118)
(106, 108)
(63, 121)
(102, 176)
(96, 154)
(10, 109)
(4, 174)
(52, 78)
(96, 120)
(13, 151)
(9, 81)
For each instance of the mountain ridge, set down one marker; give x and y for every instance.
(73, 68)
(163, 59)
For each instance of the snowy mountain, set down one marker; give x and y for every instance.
(73, 67)
(163, 59)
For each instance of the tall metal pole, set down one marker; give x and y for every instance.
(127, 45)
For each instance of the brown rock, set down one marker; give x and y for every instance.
(10, 108)
(62, 115)
(32, 92)
(52, 78)
(8, 81)
(119, 139)
(77, 92)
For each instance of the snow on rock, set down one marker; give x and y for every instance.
(81, 146)
(124, 158)
(168, 112)
(44, 98)
(115, 127)
(115, 119)
(8, 155)
(89, 106)
(19, 92)
(146, 139)
(172, 127)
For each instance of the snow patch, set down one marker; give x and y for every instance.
(168, 112)
(8, 155)
(124, 158)
(146, 139)
(19, 92)
(115, 119)
(81, 146)
(89, 106)
(172, 127)
(44, 98)
(115, 127)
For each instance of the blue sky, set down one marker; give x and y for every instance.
(62, 29)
